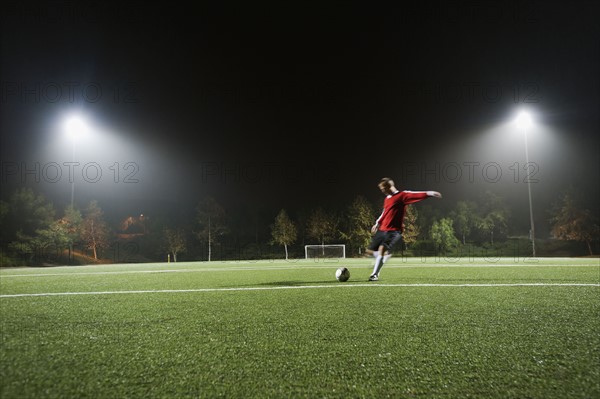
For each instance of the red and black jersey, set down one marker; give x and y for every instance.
(394, 207)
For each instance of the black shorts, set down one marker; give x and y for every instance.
(386, 238)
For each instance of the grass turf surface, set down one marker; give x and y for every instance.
(470, 329)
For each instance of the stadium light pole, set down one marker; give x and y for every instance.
(524, 122)
(75, 127)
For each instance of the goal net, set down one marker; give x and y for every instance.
(325, 251)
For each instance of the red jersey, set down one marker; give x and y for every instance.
(394, 207)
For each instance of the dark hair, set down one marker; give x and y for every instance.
(386, 181)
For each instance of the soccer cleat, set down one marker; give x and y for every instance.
(373, 278)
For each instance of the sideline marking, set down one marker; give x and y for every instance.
(291, 287)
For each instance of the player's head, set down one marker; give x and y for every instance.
(386, 185)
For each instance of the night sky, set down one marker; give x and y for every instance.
(289, 106)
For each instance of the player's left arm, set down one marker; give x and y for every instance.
(410, 197)
(434, 194)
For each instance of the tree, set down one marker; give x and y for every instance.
(411, 228)
(72, 224)
(210, 217)
(357, 229)
(491, 222)
(284, 231)
(54, 237)
(442, 234)
(465, 218)
(322, 226)
(25, 215)
(94, 231)
(175, 241)
(493, 218)
(572, 223)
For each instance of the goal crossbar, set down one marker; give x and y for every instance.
(325, 251)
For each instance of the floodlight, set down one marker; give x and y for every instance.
(76, 126)
(524, 120)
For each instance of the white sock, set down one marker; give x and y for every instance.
(378, 265)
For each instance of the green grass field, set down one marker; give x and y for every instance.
(277, 329)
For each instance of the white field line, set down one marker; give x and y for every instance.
(299, 287)
(291, 267)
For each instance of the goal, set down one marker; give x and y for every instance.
(325, 251)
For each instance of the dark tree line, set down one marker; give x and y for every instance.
(32, 231)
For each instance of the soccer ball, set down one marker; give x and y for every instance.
(342, 274)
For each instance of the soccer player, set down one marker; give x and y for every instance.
(389, 225)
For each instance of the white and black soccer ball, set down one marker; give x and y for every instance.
(342, 274)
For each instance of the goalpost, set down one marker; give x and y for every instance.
(325, 251)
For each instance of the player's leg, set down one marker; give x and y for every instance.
(378, 264)
(371, 253)
(375, 249)
(385, 252)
